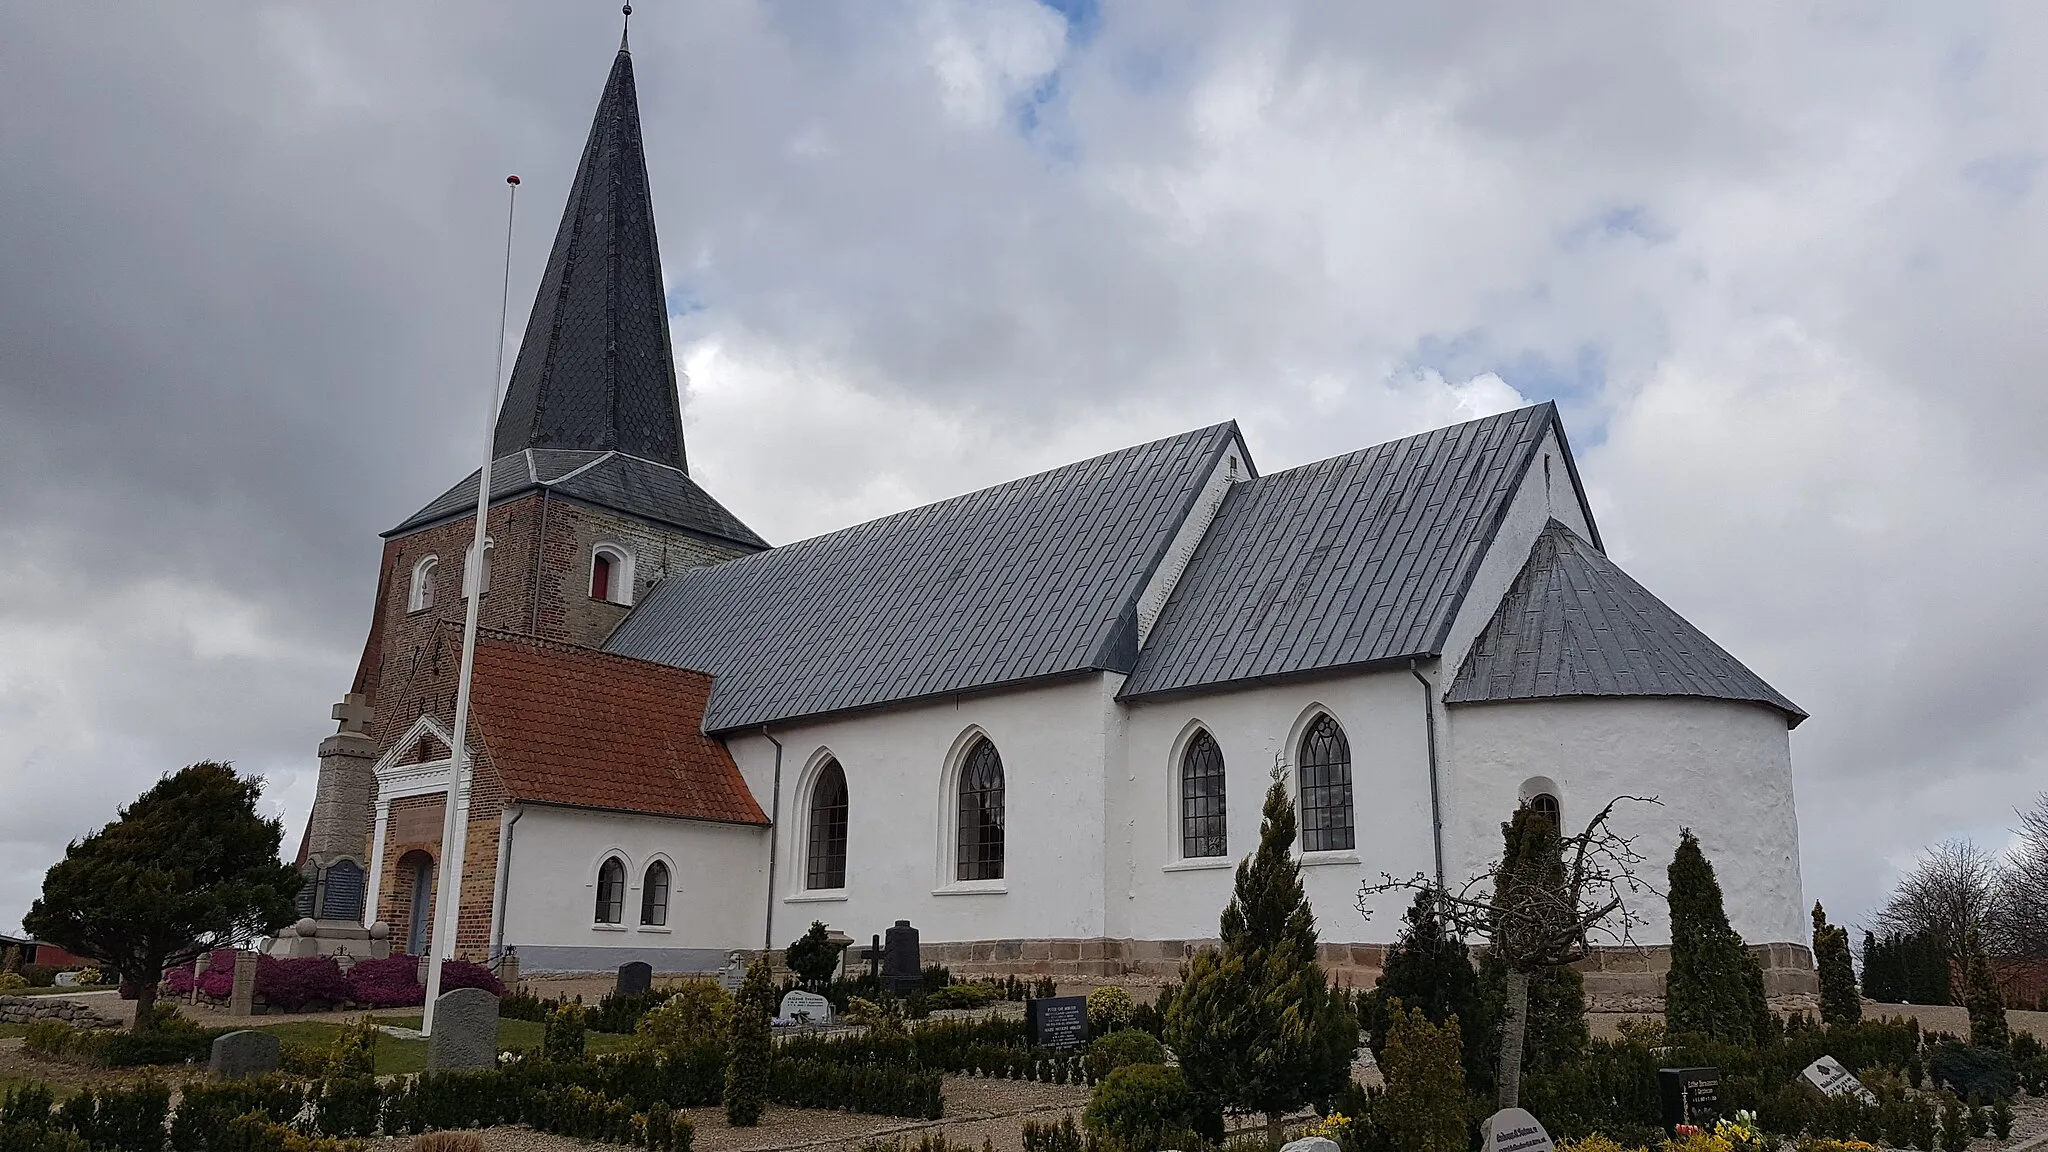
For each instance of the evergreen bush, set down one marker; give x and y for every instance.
(1255, 1024)
(1424, 1105)
(1715, 987)
(694, 1014)
(876, 1090)
(1988, 1028)
(814, 956)
(1429, 970)
(1139, 1105)
(1839, 1002)
(563, 1037)
(1109, 1009)
(1130, 1046)
(747, 1071)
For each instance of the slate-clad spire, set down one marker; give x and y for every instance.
(595, 370)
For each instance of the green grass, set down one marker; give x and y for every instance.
(13, 1031)
(395, 1056)
(58, 1090)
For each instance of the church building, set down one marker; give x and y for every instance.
(1036, 720)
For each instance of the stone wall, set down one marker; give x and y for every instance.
(1617, 979)
(28, 1009)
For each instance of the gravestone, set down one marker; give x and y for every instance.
(1689, 1096)
(1057, 1021)
(733, 974)
(1515, 1130)
(242, 998)
(814, 1008)
(1828, 1075)
(635, 978)
(873, 955)
(238, 1055)
(465, 1036)
(902, 962)
(1310, 1144)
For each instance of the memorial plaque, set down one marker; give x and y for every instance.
(808, 1006)
(635, 978)
(1828, 1075)
(1515, 1130)
(1057, 1021)
(1689, 1096)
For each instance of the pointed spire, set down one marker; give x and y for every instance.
(596, 369)
(628, 10)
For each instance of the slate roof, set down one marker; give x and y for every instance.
(1359, 559)
(614, 480)
(1034, 578)
(595, 369)
(568, 725)
(1574, 624)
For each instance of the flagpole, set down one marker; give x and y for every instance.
(455, 819)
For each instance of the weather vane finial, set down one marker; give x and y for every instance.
(628, 10)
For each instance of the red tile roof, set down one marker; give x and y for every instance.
(568, 725)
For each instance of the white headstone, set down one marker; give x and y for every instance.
(1514, 1130)
(1828, 1075)
(811, 1006)
(733, 974)
(1310, 1144)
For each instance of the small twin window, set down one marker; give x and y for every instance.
(611, 574)
(611, 891)
(654, 896)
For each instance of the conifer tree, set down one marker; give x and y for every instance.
(747, 1069)
(1255, 1023)
(1424, 1105)
(1988, 1028)
(1715, 987)
(1430, 970)
(1839, 1003)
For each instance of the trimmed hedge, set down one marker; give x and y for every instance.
(876, 1090)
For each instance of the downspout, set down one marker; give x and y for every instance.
(504, 883)
(774, 832)
(1436, 802)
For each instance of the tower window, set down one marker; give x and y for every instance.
(421, 597)
(1546, 806)
(1326, 824)
(611, 574)
(477, 574)
(981, 815)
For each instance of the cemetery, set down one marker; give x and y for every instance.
(1476, 1036)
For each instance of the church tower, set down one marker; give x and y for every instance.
(591, 502)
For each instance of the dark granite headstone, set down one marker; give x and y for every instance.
(238, 1055)
(1057, 1021)
(902, 962)
(465, 1036)
(1689, 1096)
(635, 978)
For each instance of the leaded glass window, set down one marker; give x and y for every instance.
(981, 815)
(611, 891)
(654, 896)
(1202, 830)
(825, 863)
(1325, 788)
(1546, 806)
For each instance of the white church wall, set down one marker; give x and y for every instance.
(1721, 768)
(1053, 737)
(717, 882)
(1157, 895)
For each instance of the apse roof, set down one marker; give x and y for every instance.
(1034, 578)
(1574, 624)
(1360, 559)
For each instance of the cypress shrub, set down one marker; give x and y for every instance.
(563, 1037)
(1988, 1028)
(747, 1071)
(1715, 987)
(1839, 1003)
(1423, 1108)
(206, 1109)
(1139, 1106)
(1429, 970)
(348, 1106)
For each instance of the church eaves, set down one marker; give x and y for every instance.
(1574, 624)
(595, 370)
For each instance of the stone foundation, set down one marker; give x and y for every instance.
(28, 1009)
(1617, 979)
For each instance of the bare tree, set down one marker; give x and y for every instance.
(1950, 895)
(1540, 906)
(2019, 912)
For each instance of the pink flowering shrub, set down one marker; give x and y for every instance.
(393, 983)
(294, 984)
(218, 981)
(463, 974)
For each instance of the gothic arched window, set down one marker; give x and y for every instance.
(611, 891)
(825, 860)
(980, 854)
(1546, 806)
(1202, 831)
(1326, 824)
(421, 597)
(654, 896)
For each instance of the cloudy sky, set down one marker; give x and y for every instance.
(1781, 265)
